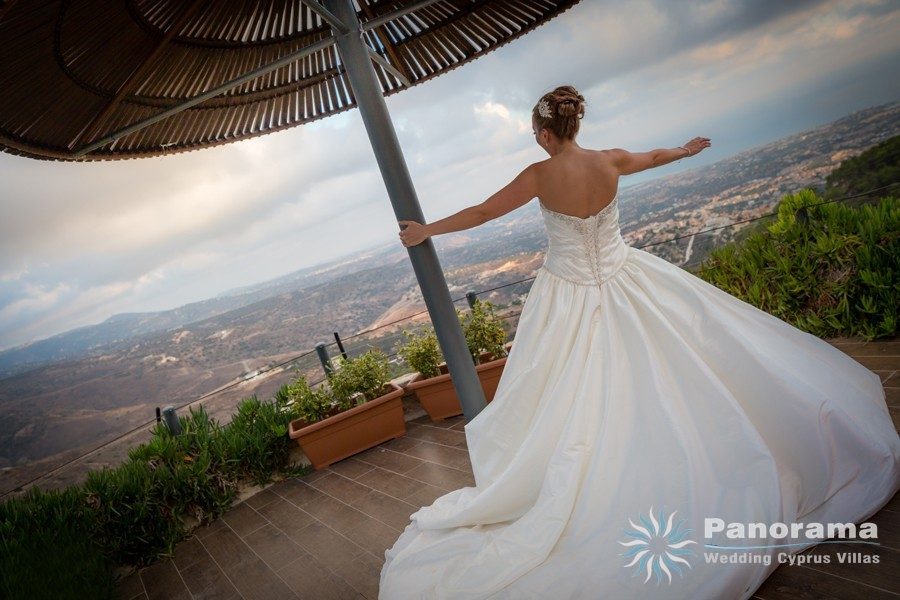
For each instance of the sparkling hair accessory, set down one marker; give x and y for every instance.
(544, 109)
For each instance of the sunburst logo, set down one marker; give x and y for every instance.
(657, 546)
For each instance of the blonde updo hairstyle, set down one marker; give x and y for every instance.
(566, 112)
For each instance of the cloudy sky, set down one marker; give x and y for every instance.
(81, 242)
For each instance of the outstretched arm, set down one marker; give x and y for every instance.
(635, 162)
(515, 194)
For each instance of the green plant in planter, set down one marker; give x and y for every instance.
(310, 404)
(360, 379)
(484, 330)
(422, 352)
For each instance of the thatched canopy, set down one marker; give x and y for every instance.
(75, 72)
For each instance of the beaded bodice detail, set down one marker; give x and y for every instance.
(586, 251)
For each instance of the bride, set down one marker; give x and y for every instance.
(651, 436)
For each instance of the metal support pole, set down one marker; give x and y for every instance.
(354, 55)
(324, 359)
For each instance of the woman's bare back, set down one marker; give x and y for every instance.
(579, 182)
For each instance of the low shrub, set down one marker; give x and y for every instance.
(67, 544)
(135, 510)
(257, 442)
(47, 550)
(830, 270)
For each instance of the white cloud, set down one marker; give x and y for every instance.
(36, 298)
(14, 274)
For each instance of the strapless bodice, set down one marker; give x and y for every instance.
(586, 251)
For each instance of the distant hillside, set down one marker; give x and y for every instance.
(877, 167)
(119, 329)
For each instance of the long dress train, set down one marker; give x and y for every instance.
(637, 403)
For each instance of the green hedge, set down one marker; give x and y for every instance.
(47, 551)
(67, 544)
(831, 270)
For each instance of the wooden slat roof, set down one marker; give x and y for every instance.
(75, 71)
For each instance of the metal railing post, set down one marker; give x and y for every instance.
(471, 297)
(324, 359)
(172, 420)
(340, 344)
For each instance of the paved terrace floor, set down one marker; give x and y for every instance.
(323, 536)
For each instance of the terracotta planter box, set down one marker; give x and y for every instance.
(351, 431)
(438, 396)
(489, 373)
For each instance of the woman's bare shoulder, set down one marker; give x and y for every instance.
(607, 153)
(609, 157)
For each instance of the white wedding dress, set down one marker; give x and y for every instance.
(634, 385)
